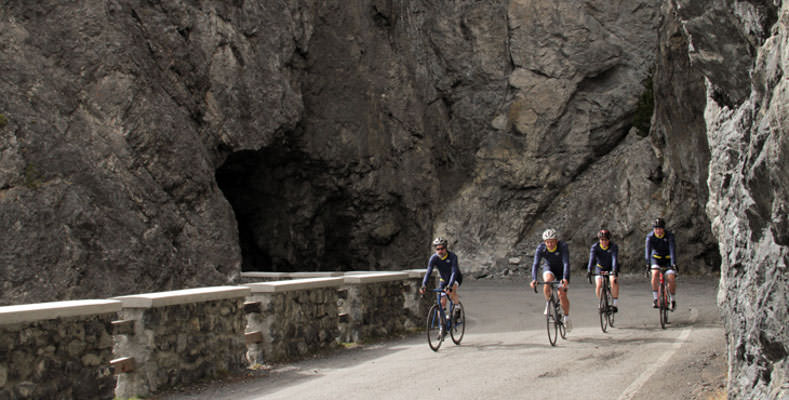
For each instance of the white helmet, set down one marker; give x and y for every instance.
(549, 234)
(440, 242)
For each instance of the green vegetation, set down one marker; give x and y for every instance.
(642, 119)
(3, 121)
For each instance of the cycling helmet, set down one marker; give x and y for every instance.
(659, 223)
(549, 234)
(440, 241)
(604, 234)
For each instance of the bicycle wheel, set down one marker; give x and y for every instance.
(551, 322)
(603, 311)
(662, 308)
(458, 323)
(610, 312)
(434, 332)
(560, 321)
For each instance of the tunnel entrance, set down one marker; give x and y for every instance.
(292, 214)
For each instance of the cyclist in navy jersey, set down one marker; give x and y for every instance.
(660, 251)
(554, 255)
(603, 257)
(450, 277)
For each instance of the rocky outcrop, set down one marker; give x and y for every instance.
(747, 121)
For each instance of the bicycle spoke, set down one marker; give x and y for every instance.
(458, 324)
(434, 328)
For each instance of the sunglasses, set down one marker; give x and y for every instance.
(440, 248)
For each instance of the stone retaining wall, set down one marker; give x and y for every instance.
(64, 355)
(155, 341)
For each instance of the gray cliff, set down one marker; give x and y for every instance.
(149, 146)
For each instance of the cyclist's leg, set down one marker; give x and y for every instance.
(563, 297)
(614, 280)
(547, 276)
(671, 280)
(598, 284)
(454, 292)
(655, 279)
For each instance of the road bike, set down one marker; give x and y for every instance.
(606, 308)
(554, 317)
(439, 323)
(664, 305)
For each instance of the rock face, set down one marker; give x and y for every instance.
(170, 145)
(741, 49)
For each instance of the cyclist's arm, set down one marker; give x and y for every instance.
(455, 270)
(591, 259)
(429, 271)
(614, 255)
(671, 248)
(566, 261)
(648, 251)
(537, 258)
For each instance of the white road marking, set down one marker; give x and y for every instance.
(644, 377)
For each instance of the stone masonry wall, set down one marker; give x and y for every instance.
(294, 324)
(182, 344)
(63, 358)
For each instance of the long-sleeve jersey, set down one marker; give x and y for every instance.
(658, 248)
(606, 258)
(448, 269)
(556, 261)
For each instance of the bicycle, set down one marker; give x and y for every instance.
(438, 324)
(553, 318)
(664, 305)
(605, 309)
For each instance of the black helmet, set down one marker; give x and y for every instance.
(659, 223)
(440, 241)
(604, 234)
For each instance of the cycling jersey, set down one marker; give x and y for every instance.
(660, 250)
(556, 262)
(448, 270)
(603, 259)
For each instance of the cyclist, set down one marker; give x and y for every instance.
(450, 277)
(556, 257)
(660, 251)
(603, 256)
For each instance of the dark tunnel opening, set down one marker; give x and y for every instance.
(291, 214)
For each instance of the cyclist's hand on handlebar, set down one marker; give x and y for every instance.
(422, 290)
(589, 276)
(533, 285)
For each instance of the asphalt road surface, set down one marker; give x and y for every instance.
(505, 354)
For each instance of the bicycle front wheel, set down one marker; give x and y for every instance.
(551, 321)
(603, 311)
(458, 323)
(434, 328)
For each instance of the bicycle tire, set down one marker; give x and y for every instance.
(603, 311)
(434, 324)
(458, 324)
(610, 312)
(662, 308)
(560, 322)
(551, 322)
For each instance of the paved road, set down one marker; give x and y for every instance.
(505, 354)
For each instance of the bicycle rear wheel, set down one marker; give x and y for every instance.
(458, 323)
(603, 311)
(551, 322)
(610, 312)
(663, 307)
(434, 332)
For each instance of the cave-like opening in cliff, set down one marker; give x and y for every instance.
(290, 212)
